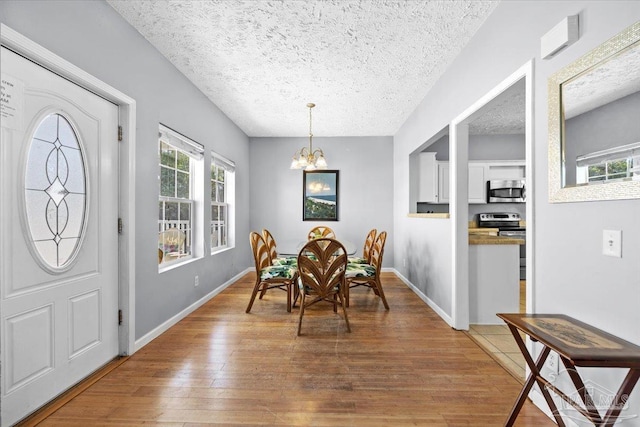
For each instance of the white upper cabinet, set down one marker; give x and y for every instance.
(428, 178)
(477, 182)
(506, 170)
(434, 182)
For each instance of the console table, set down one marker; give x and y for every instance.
(577, 344)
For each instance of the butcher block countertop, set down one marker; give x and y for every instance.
(428, 215)
(483, 239)
(483, 231)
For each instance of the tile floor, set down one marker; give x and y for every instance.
(498, 341)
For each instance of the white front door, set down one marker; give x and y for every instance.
(58, 241)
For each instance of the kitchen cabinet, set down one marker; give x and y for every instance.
(494, 282)
(434, 183)
(477, 182)
(505, 169)
(428, 178)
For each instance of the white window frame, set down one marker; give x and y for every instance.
(228, 223)
(193, 237)
(629, 153)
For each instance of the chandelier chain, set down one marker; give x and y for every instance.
(307, 158)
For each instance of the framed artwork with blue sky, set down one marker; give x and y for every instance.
(320, 195)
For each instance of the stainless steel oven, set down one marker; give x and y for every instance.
(506, 191)
(508, 224)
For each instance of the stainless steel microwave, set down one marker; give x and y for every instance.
(506, 191)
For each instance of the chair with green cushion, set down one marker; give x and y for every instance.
(368, 274)
(366, 251)
(321, 270)
(321, 231)
(273, 251)
(269, 276)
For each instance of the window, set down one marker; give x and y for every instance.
(610, 170)
(222, 198)
(615, 164)
(179, 161)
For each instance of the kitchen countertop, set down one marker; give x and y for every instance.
(486, 231)
(482, 239)
(428, 215)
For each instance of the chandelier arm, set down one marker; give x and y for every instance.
(308, 156)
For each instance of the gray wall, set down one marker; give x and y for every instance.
(485, 147)
(366, 188)
(92, 36)
(571, 274)
(497, 147)
(611, 125)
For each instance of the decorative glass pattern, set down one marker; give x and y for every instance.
(55, 191)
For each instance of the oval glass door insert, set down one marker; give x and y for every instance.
(55, 191)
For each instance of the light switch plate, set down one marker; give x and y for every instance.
(612, 243)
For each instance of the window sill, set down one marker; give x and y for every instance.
(176, 264)
(219, 251)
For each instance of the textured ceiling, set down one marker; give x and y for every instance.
(366, 64)
(505, 114)
(607, 82)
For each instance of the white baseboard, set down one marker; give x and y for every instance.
(147, 338)
(435, 307)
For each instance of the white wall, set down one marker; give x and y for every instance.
(571, 275)
(92, 36)
(366, 188)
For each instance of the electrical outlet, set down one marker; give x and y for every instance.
(196, 281)
(553, 362)
(612, 243)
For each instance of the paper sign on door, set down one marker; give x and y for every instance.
(11, 97)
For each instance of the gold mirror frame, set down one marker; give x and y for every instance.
(583, 193)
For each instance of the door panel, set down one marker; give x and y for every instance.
(59, 265)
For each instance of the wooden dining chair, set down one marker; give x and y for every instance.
(366, 250)
(368, 274)
(321, 268)
(269, 276)
(171, 241)
(320, 232)
(273, 250)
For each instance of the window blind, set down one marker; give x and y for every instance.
(616, 153)
(181, 142)
(223, 162)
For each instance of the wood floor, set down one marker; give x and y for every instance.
(221, 366)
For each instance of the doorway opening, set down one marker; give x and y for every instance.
(494, 136)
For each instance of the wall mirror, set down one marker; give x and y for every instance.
(594, 123)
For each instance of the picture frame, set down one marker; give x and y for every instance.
(320, 195)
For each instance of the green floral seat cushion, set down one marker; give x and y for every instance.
(291, 261)
(357, 260)
(360, 270)
(277, 272)
(308, 289)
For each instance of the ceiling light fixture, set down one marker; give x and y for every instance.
(307, 158)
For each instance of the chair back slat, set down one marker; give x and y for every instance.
(321, 231)
(271, 244)
(321, 266)
(260, 251)
(368, 245)
(377, 251)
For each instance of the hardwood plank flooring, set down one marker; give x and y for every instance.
(221, 366)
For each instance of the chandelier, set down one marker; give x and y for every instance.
(307, 158)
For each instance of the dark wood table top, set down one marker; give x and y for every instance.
(577, 341)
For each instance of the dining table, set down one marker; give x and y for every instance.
(291, 247)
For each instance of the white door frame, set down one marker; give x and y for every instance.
(126, 204)
(459, 206)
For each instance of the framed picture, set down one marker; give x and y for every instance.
(320, 195)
